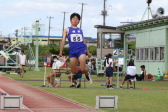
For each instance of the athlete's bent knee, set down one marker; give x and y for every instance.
(73, 72)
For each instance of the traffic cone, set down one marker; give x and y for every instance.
(166, 74)
(159, 76)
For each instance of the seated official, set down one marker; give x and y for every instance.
(93, 66)
(131, 73)
(52, 74)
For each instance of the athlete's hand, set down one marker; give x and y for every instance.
(60, 54)
(89, 55)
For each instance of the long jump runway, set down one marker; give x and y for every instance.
(36, 100)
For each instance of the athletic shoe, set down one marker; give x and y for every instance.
(90, 79)
(131, 87)
(72, 86)
(120, 87)
(107, 86)
(111, 87)
(78, 86)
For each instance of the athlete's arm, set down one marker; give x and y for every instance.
(65, 33)
(145, 75)
(87, 51)
(26, 61)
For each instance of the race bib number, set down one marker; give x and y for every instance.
(76, 38)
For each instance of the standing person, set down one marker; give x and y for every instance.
(105, 57)
(77, 46)
(143, 75)
(22, 62)
(131, 73)
(109, 71)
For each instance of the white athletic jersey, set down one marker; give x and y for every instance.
(56, 64)
(131, 70)
(110, 60)
(22, 59)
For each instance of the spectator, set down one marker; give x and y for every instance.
(131, 73)
(142, 75)
(89, 63)
(93, 66)
(105, 57)
(52, 61)
(109, 71)
(22, 62)
(110, 43)
(117, 66)
(50, 76)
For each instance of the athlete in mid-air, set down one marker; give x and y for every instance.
(77, 47)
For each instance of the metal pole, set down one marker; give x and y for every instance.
(125, 53)
(144, 14)
(37, 46)
(49, 29)
(81, 14)
(118, 74)
(63, 23)
(104, 15)
(24, 34)
(101, 37)
(30, 60)
(148, 12)
(44, 74)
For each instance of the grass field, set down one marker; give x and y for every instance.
(129, 100)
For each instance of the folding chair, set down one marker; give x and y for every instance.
(133, 80)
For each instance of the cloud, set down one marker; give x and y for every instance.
(27, 8)
(118, 6)
(161, 3)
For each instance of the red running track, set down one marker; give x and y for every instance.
(37, 100)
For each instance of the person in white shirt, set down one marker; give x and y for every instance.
(110, 43)
(50, 77)
(131, 73)
(109, 70)
(89, 63)
(22, 63)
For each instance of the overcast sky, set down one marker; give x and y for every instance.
(16, 14)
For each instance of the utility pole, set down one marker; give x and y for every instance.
(104, 13)
(81, 14)
(49, 27)
(63, 23)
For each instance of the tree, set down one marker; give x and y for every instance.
(93, 49)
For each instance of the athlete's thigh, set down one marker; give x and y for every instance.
(82, 61)
(73, 64)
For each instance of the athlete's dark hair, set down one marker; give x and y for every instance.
(22, 51)
(109, 56)
(131, 63)
(75, 14)
(55, 57)
(142, 66)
